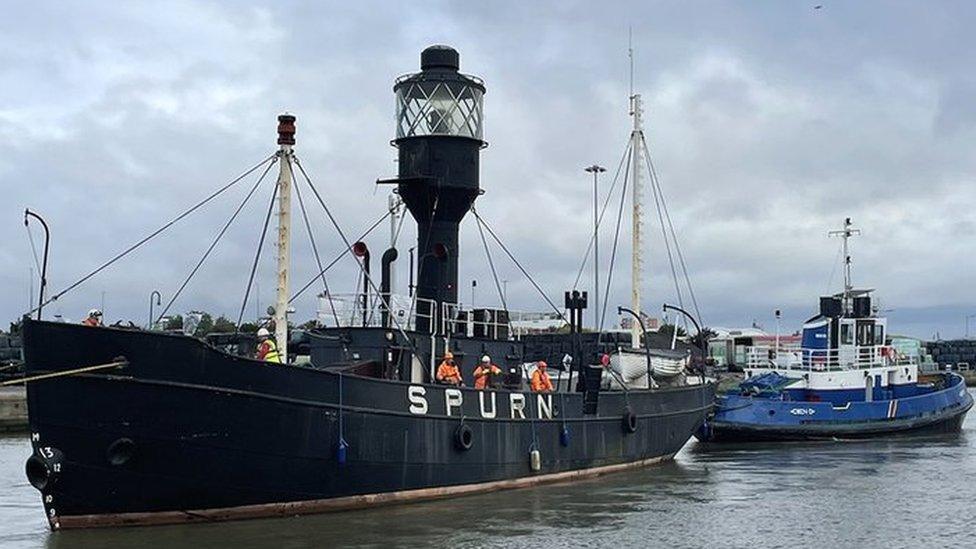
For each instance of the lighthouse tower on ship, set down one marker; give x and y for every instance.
(439, 138)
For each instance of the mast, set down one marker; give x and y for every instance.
(846, 233)
(286, 138)
(637, 216)
(637, 262)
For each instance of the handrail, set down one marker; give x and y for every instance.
(416, 312)
(809, 359)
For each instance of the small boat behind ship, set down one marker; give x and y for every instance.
(844, 382)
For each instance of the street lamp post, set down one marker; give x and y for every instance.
(596, 170)
(47, 242)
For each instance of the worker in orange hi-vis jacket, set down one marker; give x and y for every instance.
(540, 379)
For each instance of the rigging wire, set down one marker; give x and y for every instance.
(337, 259)
(367, 278)
(494, 273)
(215, 241)
(613, 253)
(833, 269)
(315, 249)
(30, 237)
(152, 235)
(664, 233)
(519, 265)
(257, 257)
(677, 246)
(589, 247)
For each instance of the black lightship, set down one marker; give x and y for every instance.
(145, 427)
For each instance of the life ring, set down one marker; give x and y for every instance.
(463, 437)
(629, 421)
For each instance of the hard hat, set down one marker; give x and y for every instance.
(263, 332)
(542, 364)
(94, 312)
(448, 354)
(486, 358)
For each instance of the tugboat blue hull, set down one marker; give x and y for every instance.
(187, 433)
(741, 418)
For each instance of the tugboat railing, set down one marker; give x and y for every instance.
(822, 360)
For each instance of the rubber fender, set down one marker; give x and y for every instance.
(463, 437)
(629, 421)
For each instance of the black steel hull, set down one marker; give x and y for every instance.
(205, 435)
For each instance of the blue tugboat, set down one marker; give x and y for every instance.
(842, 383)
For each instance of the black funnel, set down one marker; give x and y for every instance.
(439, 137)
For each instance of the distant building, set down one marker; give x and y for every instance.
(728, 347)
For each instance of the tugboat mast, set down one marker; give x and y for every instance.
(286, 138)
(846, 233)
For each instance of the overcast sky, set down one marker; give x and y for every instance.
(768, 122)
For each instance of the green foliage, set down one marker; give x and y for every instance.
(249, 328)
(701, 340)
(205, 326)
(668, 330)
(174, 323)
(224, 325)
(310, 325)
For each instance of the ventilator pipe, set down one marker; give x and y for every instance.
(389, 256)
(359, 249)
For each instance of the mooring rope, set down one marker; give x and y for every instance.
(119, 362)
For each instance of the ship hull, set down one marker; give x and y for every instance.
(185, 433)
(753, 419)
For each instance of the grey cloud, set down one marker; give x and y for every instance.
(768, 124)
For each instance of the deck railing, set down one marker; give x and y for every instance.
(414, 313)
(806, 359)
(353, 310)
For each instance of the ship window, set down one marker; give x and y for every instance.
(846, 334)
(865, 334)
(879, 335)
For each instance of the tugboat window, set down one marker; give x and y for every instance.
(879, 335)
(846, 334)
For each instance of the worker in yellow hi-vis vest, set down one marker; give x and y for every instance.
(267, 350)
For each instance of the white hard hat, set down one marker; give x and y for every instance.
(263, 332)
(486, 358)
